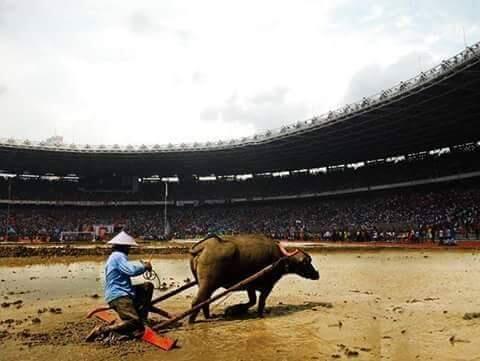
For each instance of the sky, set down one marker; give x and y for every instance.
(174, 71)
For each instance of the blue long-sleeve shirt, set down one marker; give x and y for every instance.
(117, 276)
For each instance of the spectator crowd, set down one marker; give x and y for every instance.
(423, 213)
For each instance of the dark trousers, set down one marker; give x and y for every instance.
(133, 311)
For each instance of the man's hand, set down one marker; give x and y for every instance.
(147, 265)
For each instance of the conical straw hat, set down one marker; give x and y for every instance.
(123, 239)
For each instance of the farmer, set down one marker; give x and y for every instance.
(132, 303)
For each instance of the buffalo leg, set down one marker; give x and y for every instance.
(206, 311)
(243, 307)
(203, 294)
(261, 302)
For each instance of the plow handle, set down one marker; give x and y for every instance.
(173, 292)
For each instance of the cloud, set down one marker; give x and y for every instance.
(3, 89)
(114, 71)
(265, 110)
(198, 77)
(374, 78)
(139, 22)
(142, 23)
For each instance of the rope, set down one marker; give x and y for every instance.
(152, 276)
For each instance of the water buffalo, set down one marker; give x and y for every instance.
(222, 262)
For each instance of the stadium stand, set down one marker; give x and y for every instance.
(416, 167)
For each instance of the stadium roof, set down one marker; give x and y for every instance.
(437, 108)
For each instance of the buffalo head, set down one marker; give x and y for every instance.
(300, 263)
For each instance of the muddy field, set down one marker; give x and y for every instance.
(63, 250)
(55, 250)
(392, 305)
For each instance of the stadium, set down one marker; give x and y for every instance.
(370, 211)
(411, 147)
